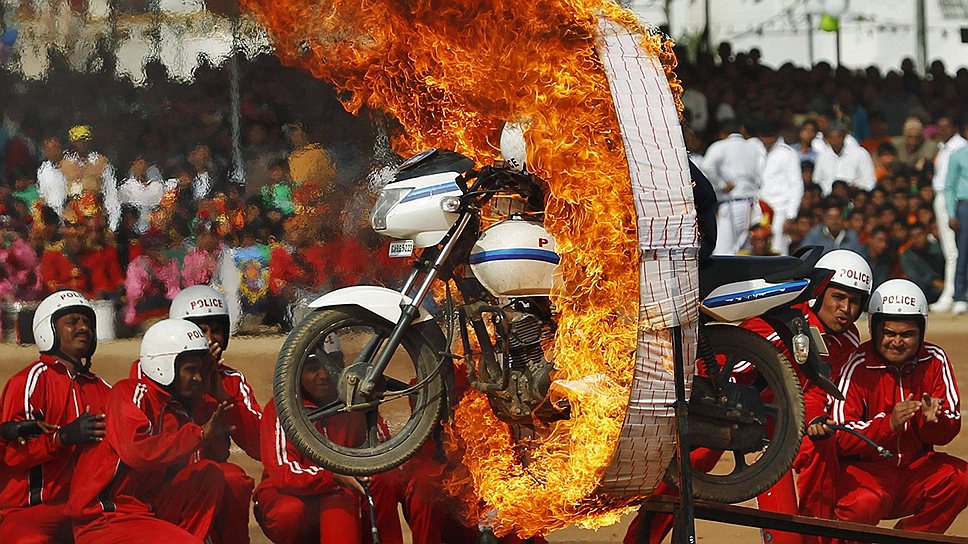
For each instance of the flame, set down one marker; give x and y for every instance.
(451, 72)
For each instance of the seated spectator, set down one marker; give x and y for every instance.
(302, 263)
(252, 262)
(799, 230)
(900, 392)
(19, 277)
(812, 194)
(143, 190)
(127, 236)
(832, 234)
(25, 188)
(153, 279)
(278, 194)
(761, 242)
(202, 262)
(144, 477)
(913, 150)
(877, 133)
(806, 172)
(298, 501)
(885, 161)
(878, 253)
(205, 178)
(61, 265)
(923, 262)
(230, 208)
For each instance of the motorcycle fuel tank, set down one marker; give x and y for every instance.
(515, 258)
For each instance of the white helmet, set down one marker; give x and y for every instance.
(201, 302)
(163, 342)
(899, 297)
(52, 307)
(850, 270)
(513, 148)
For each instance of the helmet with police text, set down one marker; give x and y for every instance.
(201, 303)
(163, 342)
(850, 270)
(514, 151)
(51, 309)
(898, 298)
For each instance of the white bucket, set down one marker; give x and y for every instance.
(104, 313)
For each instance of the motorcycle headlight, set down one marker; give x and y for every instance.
(387, 200)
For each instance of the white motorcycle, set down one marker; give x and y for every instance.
(394, 372)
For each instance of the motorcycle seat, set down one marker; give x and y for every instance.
(719, 270)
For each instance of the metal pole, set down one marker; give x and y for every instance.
(238, 167)
(810, 38)
(685, 527)
(709, 32)
(837, 37)
(922, 34)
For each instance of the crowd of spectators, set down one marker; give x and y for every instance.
(128, 193)
(832, 157)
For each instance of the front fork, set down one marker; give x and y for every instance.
(410, 311)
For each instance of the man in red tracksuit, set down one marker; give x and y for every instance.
(207, 308)
(145, 478)
(833, 314)
(298, 501)
(900, 392)
(60, 390)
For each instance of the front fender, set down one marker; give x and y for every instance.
(387, 303)
(383, 302)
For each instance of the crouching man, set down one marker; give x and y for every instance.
(54, 411)
(145, 478)
(299, 502)
(900, 392)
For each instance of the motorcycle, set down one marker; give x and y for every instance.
(391, 362)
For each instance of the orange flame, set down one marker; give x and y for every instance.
(451, 72)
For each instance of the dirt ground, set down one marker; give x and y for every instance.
(255, 356)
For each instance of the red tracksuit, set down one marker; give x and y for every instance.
(141, 478)
(245, 417)
(839, 347)
(928, 487)
(299, 502)
(35, 477)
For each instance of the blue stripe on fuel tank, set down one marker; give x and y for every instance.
(427, 192)
(755, 294)
(543, 255)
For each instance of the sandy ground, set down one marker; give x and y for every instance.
(255, 356)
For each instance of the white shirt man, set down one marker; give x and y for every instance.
(949, 141)
(52, 186)
(850, 163)
(144, 195)
(782, 186)
(733, 167)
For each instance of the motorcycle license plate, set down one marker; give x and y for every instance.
(403, 248)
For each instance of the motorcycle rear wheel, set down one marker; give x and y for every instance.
(745, 479)
(408, 419)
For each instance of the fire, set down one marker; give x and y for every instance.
(451, 73)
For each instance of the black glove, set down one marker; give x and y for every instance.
(11, 431)
(80, 431)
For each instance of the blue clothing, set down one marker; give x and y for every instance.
(961, 240)
(956, 184)
(820, 236)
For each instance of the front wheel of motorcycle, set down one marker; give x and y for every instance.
(359, 440)
(731, 476)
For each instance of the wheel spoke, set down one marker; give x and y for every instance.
(326, 411)
(772, 408)
(393, 384)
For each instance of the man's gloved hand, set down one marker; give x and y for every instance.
(86, 429)
(20, 431)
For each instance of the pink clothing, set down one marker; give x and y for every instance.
(21, 280)
(200, 266)
(147, 280)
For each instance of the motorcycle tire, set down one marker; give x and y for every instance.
(787, 416)
(425, 403)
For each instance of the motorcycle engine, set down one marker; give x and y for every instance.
(530, 326)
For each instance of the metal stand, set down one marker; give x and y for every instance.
(685, 526)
